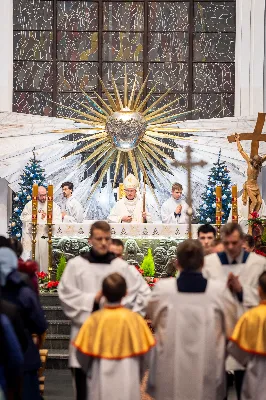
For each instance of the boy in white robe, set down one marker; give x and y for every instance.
(174, 210)
(129, 208)
(239, 271)
(72, 210)
(112, 346)
(82, 280)
(41, 252)
(248, 346)
(192, 318)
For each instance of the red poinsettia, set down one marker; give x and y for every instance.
(261, 253)
(254, 215)
(52, 284)
(42, 275)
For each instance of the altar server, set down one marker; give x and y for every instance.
(72, 210)
(80, 285)
(130, 208)
(239, 271)
(243, 211)
(112, 345)
(248, 346)
(174, 210)
(192, 318)
(41, 253)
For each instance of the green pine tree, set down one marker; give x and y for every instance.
(32, 173)
(148, 264)
(219, 175)
(61, 267)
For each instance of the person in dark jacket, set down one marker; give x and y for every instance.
(17, 292)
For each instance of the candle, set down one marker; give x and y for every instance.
(50, 204)
(234, 204)
(121, 191)
(34, 202)
(218, 205)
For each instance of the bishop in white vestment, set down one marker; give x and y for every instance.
(129, 208)
(72, 210)
(174, 210)
(41, 252)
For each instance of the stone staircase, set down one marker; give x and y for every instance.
(58, 334)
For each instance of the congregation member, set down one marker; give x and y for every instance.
(192, 318)
(80, 290)
(206, 236)
(129, 208)
(174, 210)
(72, 210)
(14, 290)
(249, 243)
(248, 346)
(113, 344)
(239, 271)
(117, 247)
(41, 252)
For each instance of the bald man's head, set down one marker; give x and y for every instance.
(42, 194)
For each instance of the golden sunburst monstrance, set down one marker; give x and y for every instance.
(127, 132)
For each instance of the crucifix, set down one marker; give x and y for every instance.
(189, 164)
(254, 161)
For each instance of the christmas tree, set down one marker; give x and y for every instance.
(32, 173)
(148, 264)
(219, 176)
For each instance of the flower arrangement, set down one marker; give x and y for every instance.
(260, 252)
(45, 285)
(149, 279)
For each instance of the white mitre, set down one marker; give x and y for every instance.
(131, 182)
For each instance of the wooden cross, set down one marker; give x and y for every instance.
(256, 136)
(189, 164)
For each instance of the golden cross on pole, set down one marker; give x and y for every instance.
(256, 136)
(189, 164)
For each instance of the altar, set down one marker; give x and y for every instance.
(71, 240)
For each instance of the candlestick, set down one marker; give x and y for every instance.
(121, 191)
(34, 212)
(49, 224)
(218, 209)
(234, 204)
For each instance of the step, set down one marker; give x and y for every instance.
(49, 299)
(59, 327)
(57, 342)
(57, 359)
(54, 313)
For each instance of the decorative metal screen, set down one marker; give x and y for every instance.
(62, 45)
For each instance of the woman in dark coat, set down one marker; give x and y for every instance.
(16, 291)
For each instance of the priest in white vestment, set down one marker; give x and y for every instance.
(81, 283)
(72, 210)
(239, 271)
(41, 251)
(174, 210)
(129, 208)
(192, 318)
(243, 213)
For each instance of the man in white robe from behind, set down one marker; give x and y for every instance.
(72, 210)
(41, 251)
(80, 287)
(129, 208)
(192, 318)
(174, 210)
(239, 271)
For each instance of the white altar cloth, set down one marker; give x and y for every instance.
(122, 231)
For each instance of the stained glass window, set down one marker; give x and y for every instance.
(61, 46)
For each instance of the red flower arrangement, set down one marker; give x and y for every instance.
(261, 253)
(255, 214)
(52, 284)
(42, 276)
(139, 269)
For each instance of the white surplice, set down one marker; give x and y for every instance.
(125, 207)
(191, 331)
(80, 283)
(168, 212)
(74, 210)
(41, 251)
(243, 213)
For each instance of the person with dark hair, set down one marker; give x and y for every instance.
(192, 318)
(249, 243)
(206, 236)
(117, 247)
(239, 270)
(80, 289)
(112, 345)
(174, 210)
(248, 346)
(72, 210)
